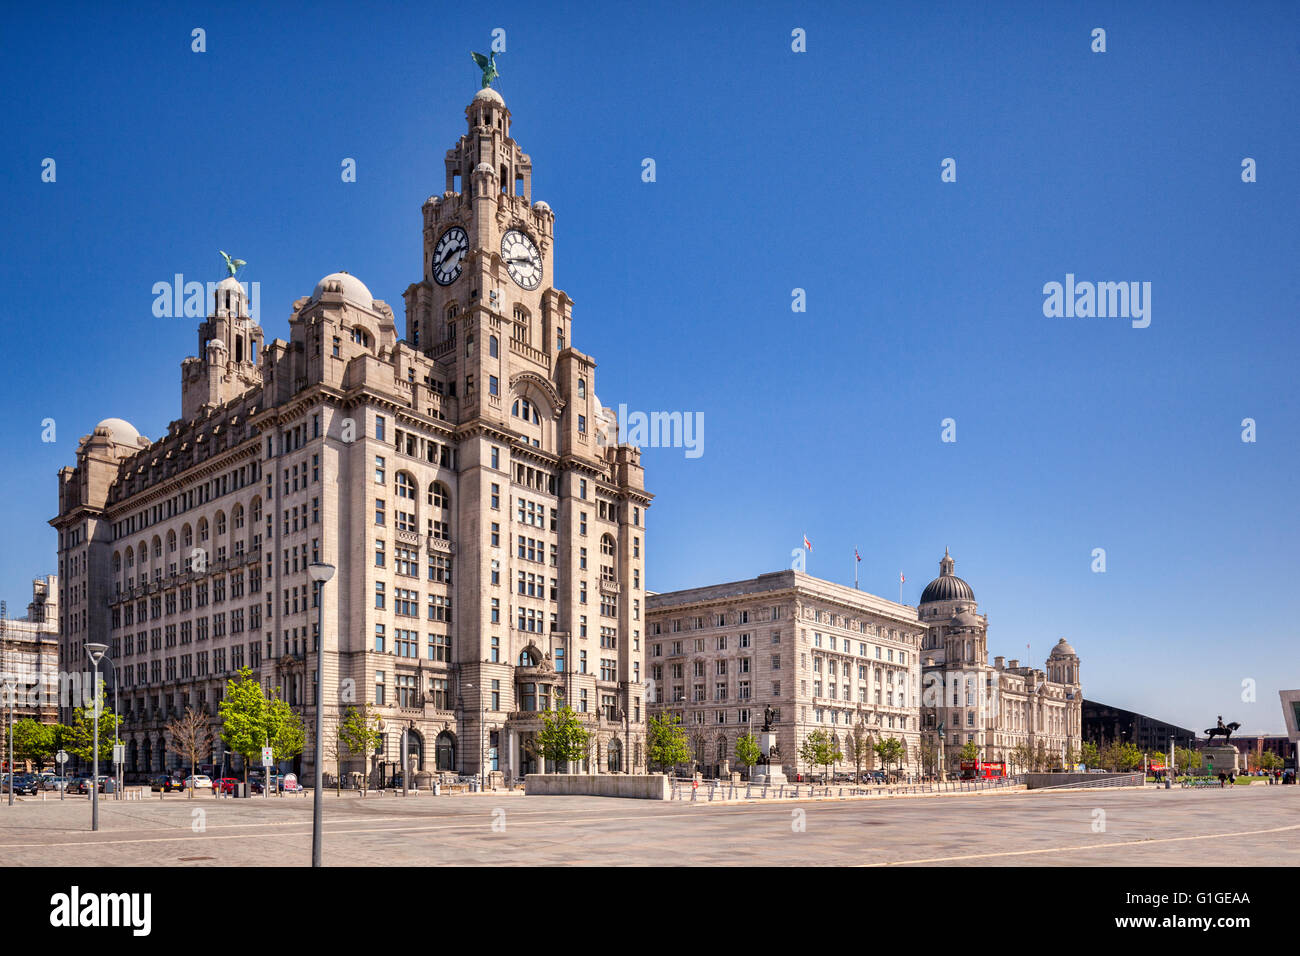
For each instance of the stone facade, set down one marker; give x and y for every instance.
(832, 657)
(821, 655)
(999, 707)
(489, 542)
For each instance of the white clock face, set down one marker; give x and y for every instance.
(448, 255)
(523, 261)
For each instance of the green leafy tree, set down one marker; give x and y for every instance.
(820, 749)
(243, 718)
(286, 734)
(1187, 759)
(80, 739)
(1089, 755)
(191, 734)
(970, 751)
(890, 749)
(748, 752)
(359, 733)
(563, 738)
(34, 741)
(1071, 757)
(666, 743)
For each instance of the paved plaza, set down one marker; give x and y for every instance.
(1245, 826)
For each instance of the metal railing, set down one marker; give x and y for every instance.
(709, 791)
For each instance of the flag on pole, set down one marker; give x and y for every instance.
(857, 561)
(901, 579)
(856, 555)
(806, 543)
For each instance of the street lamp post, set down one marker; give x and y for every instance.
(319, 573)
(96, 651)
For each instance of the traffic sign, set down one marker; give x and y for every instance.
(61, 756)
(267, 757)
(119, 753)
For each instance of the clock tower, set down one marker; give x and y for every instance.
(550, 510)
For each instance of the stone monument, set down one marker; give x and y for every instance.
(768, 770)
(1221, 758)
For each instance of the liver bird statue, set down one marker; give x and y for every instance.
(488, 64)
(232, 265)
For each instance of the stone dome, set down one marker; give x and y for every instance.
(541, 206)
(1062, 649)
(490, 95)
(352, 288)
(230, 283)
(965, 618)
(122, 432)
(947, 586)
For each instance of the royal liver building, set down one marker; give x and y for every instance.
(490, 541)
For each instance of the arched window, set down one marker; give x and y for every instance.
(203, 529)
(221, 523)
(187, 537)
(171, 542)
(722, 748)
(469, 345)
(582, 388)
(439, 497)
(453, 310)
(117, 562)
(607, 545)
(615, 755)
(130, 557)
(157, 547)
(492, 346)
(526, 658)
(142, 552)
(526, 410)
(405, 486)
(445, 751)
(257, 509)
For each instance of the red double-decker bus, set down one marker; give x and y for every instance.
(982, 770)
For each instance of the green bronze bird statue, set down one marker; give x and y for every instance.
(232, 265)
(488, 64)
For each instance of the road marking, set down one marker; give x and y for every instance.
(1093, 846)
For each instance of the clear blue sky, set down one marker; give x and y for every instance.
(775, 170)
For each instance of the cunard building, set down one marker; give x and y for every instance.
(489, 543)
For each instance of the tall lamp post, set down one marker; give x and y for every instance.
(319, 573)
(11, 688)
(96, 651)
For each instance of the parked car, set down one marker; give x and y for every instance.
(22, 783)
(198, 781)
(53, 782)
(165, 783)
(225, 784)
(82, 784)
